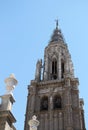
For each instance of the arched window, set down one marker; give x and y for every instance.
(44, 103)
(54, 69)
(62, 69)
(57, 102)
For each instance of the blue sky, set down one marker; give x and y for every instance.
(25, 29)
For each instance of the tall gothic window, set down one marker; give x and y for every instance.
(54, 69)
(57, 102)
(62, 69)
(44, 103)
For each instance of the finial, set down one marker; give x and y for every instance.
(11, 82)
(56, 23)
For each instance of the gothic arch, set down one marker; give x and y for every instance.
(57, 103)
(44, 103)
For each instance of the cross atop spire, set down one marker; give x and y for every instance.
(56, 23)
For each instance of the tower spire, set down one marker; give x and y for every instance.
(57, 34)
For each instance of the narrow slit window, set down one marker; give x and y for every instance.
(62, 69)
(54, 69)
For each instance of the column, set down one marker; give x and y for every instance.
(46, 122)
(46, 68)
(42, 124)
(68, 108)
(56, 121)
(51, 121)
(59, 66)
(60, 121)
(33, 98)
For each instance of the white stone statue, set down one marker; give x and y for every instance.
(33, 123)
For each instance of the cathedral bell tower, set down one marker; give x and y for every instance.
(53, 95)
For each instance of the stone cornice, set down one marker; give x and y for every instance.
(74, 81)
(8, 114)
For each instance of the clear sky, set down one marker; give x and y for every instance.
(25, 29)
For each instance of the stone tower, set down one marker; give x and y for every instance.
(53, 96)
